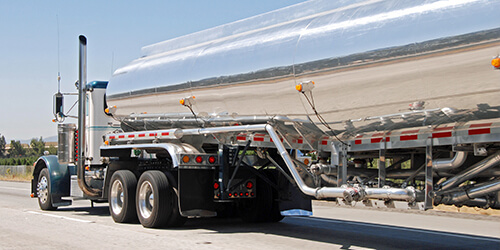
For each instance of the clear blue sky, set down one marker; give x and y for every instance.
(116, 30)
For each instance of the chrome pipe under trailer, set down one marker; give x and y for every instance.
(367, 103)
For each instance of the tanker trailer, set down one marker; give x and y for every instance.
(396, 102)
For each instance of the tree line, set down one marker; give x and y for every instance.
(19, 155)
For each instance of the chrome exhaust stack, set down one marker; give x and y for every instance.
(82, 103)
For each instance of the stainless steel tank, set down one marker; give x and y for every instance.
(376, 65)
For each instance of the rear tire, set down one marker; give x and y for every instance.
(152, 199)
(121, 196)
(43, 189)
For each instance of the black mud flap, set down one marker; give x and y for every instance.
(293, 202)
(196, 192)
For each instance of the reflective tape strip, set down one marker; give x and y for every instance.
(441, 134)
(479, 131)
(408, 137)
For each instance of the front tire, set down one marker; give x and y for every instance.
(43, 191)
(152, 199)
(121, 196)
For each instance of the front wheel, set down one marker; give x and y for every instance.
(152, 199)
(43, 191)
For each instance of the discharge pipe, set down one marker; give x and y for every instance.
(442, 165)
(471, 172)
(349, 193)
(82, 103)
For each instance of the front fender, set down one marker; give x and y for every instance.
(59, 178)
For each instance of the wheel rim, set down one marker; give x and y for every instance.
(146, 199)
(117, 197)
(43, 189)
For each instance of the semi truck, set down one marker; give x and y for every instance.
(365, 103)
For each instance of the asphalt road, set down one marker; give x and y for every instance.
(24, 226)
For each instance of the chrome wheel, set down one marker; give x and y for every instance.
(43, 189)
(146, 200)
(116, 197)
(121, 196)
(152, 198)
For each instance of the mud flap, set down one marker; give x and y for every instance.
(196, 192)
(293, 202)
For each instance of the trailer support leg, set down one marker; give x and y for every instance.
(381, 164)
(342, 169)
(428, 176)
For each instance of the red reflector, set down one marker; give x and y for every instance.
(357, 142)
(216, 185)
(252, 194)
(211, 160)
(479, 131)
(199, 159)
(249, 185)
(408, 137)
(441, 134)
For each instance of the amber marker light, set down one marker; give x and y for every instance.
(496, 62)
(305, 86)
(185, 159)
(306, 161)
(188, 101)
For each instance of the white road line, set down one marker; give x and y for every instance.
(12, 188)
(60, 217)
(368, 224)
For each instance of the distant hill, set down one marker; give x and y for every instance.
(45, 139)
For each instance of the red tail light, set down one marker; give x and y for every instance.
(199, 159)
(211, 160)
(216, 185)
(249, 185)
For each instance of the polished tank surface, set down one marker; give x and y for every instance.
(377, 65)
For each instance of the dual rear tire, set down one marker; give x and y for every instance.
(151, 199)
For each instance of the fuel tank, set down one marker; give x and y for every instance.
(376, 65)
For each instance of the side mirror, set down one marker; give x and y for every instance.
(58, 106)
